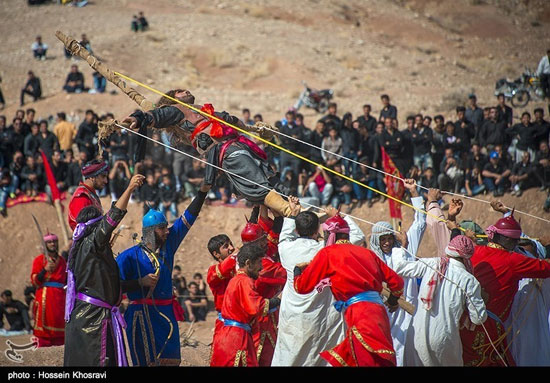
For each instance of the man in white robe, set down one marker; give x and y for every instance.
(442, 301)
(382, 242)
(308, 324)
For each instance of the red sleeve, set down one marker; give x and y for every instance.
(252, 302)
(37, 267)
(526, 267)
(272, 274)
(221, 272)
(76, 205)
(318, 269)
(394, 281)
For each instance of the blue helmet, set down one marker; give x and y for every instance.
(153, 218)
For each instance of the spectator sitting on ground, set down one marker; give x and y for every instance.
(39, 49)
(522, 177)
(32, 87)
(32, 178)
(100, 83)
(197, 278)
(135, 23)
(495, 175)
(86, 43)
(197, 305)
(473, 182)
(193, 178)
(75, 81)
(74, 173)
(16, 313)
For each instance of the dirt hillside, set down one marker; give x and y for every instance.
(427, 55)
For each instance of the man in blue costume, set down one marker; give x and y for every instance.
(152, 332)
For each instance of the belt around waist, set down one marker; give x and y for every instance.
(151, 302)
(367, 296)
(234, 323)
(54, 284)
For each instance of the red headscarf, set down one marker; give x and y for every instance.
(335, 225)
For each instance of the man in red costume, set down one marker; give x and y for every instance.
(355, 277)
(271, 280)
(242, 306)
(95, 175)
(498, 269)
(49, 276)
(218, 277)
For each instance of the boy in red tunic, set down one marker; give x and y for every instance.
(242, 305)
(95, 178)
(356, 275)
(271, 280)
(218, 277)
(498, 269)
(49, 276)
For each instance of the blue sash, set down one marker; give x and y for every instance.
(367, 296)
(234, 323)
(54, 284)
(494, 317)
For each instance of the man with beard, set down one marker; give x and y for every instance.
(246, 164)
(242, 305)
(152, 331)
(95, 175)
(49, 276)
(93, 333)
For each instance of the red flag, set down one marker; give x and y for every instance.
(394, 186)
(51, 178)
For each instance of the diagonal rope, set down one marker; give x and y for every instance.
(320, 209)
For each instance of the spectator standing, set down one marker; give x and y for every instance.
(422, 138)
(543, 127)
(332, 117)
(492, 132)
(86, 43)
(48, 140)
(246, 117)
(366, 120)
(32, 144)
(143, 23)
(65, 132)
(86, 135)
(391, 140)
(193, 178)
(74, 172)
(119, 179)
(39, 49)
(29, 120)
(369, 149)
(32, 88)
(388, 110)
(17, 135)
(438, 141)
(333, 143)
(288, 127)
(524, 135)
(168, 196)
(75, 81)
(6, 150)
(149, 194)
(473, 113)
(464, 129)
(505, 114)
(543, 71)
(350, 144)
(118, 146)
(16, 313)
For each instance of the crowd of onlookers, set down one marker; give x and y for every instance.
(479, 151)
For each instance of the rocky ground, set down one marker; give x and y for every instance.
(427, 55)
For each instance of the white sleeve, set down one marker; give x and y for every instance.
(356, 235)
(416, 231)
(288, 232)
(405, 267)
(474, 302)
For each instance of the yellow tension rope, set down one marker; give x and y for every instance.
(283, 149)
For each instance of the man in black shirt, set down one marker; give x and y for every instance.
(504, 112)
(168, 196)
(543, 127)
(31, 143)
(495, 175)
(47, 140)
(60, 170)
(542, 165)
(522, 177)
(331, 117)
(492, 132)
(464, 128)
(86, 134)
(438, 142)
(388, 110)
(422, 138)
(75, 81)
(32, 87)
(197, 305)
(475, 158)
(473, 113)
(350, 144)
(74, 172)
(524, 135)
(391, 140)
(16, 313)
(366, 120)
(289, 127)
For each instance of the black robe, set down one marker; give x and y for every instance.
(89, 337)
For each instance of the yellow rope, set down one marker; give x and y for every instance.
(284, 149)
